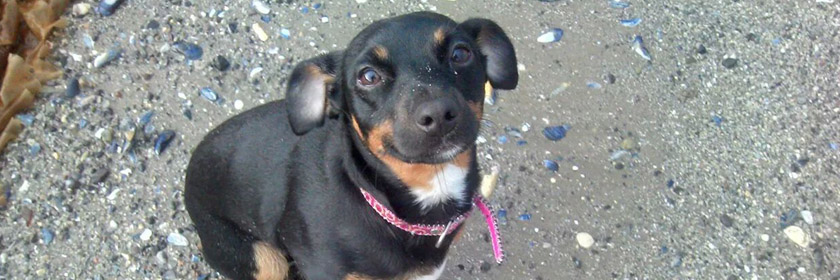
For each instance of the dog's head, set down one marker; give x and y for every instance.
(413, 86)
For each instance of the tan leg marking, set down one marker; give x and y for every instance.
(271, 265)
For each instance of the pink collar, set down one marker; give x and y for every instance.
(441, 230)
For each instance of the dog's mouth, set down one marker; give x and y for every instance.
(445, 152)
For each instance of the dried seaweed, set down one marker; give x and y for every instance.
(25, 27)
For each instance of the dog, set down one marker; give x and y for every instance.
(372, 145)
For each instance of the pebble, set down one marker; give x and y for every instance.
(502, 215)
(553, 35)
(254, 73)
(153, 24)
(765, 237)
(105, 58)
(220, 63)
(176, 239)
(701, 49)
(88, 41)
(717, 120)
(146, 235)
(807, 216)
(485, 266)
(261, 7)
(145, 118)
(23, 187)
(585, 240)
(285, 33)
(512, 131)
(730, 63)
(610, 78)
(677, 261)
(34, 149)
(107, 7)
(47, 236)
(489, 182)
(726, 220)
(618, 154)
(629, 144)
(26, 119)
(525, 127)
(81, 9)
(238, 104)
(73, 88)
(187, 113)
(577, 262)
(797, 235)
(189, 50)
(260, 32)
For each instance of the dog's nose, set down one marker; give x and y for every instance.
(437, 117)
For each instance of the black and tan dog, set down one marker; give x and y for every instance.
(277, 191)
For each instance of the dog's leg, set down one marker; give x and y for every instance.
(270, 263)
(237, 254)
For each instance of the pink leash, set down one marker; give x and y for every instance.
(490, 219)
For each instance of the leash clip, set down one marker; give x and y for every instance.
(443, 235)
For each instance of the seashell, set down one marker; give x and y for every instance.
(639, 47)
(619, 4)
(209, 94)
(554, 35)
(163, 140)
(261, 7)
(107, 57)
(551, 165)
(145, 118)
(555, 133)
(630, 22)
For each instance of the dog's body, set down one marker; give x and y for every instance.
(395, 114)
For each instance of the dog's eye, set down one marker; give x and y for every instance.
(369, 77)
(461, 55)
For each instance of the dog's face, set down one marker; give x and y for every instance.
(413, 85)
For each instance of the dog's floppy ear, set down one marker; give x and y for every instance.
(497, 48)
(310, 86)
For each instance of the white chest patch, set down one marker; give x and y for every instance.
(435, 275)
(448, 183)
